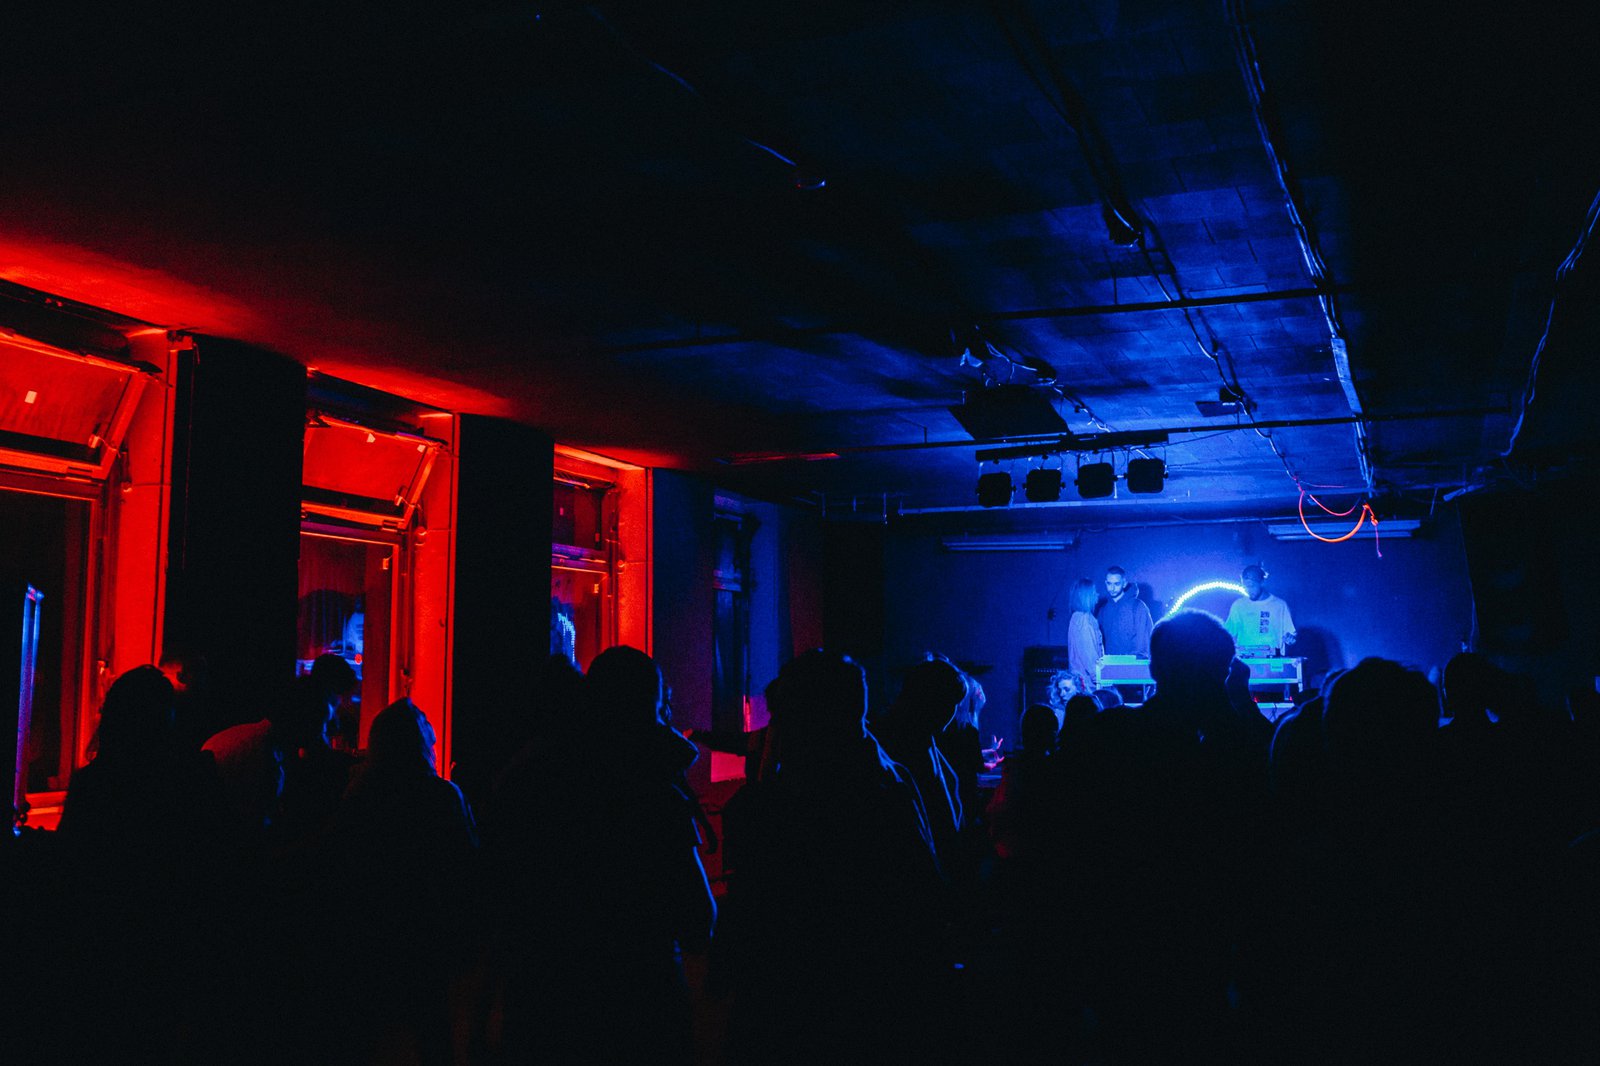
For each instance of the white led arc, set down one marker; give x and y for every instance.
(1197, 590)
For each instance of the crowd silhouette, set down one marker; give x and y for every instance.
(1393, 873)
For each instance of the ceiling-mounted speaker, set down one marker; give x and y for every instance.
(1096, 480)
(994, 490)
(1146, 475)
(1043, 486)
(1009, 411)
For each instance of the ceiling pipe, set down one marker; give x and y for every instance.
(1020, 447)
(1024, 314)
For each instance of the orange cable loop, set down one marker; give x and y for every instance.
(1366, 513)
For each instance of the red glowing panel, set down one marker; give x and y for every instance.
(362, 474)
(60, 411)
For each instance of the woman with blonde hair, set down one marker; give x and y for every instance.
(1084, 643)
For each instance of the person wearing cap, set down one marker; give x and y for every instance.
(1258, 621)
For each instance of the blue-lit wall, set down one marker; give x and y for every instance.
(1414, 604)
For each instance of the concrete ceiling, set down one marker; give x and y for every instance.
(696, 232)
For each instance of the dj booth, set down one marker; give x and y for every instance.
(1278, 676)
(1265, 672)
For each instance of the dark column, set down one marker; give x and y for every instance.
(502, 591)
(683, 593)
(235, 538)
(852, 599)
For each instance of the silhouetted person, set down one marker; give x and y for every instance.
(315, 774)
(253, 758)
(1037, 966)
(193, 712)
(1020, 809)
(142, 831)
(909, 733)
(961, 743)
(1381, 890)
(405, 841)
(617, 886)
(135, 793)
(1080, 710)
(838, 908)
(1181, 781)
(536, 790)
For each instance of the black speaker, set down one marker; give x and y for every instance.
(1096, 480)
(1146, 475)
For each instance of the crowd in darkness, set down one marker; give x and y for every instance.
(1393, 873)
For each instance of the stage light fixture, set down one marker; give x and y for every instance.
(994, 490)
(1043, 486)
(1146, 475)
(1096, 480)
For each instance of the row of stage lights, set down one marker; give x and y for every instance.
(1094, 481)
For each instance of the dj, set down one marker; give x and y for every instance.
(1258, 621)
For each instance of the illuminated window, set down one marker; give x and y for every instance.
(44, 544)
(583, 616)
(348, 588)
(367, 463)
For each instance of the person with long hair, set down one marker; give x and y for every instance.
(1084, 643)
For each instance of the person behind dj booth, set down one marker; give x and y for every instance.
(1258, 621)
(1125, 621)
(1084, 643)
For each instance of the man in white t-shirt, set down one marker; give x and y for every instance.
(1258, 621)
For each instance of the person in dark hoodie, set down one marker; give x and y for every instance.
(1125, 623)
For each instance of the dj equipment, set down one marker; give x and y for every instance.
(1133, 670)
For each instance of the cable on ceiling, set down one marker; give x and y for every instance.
(1529, 388)
(1117, 206)
(1260, 108)
(801, 181)
(1124, 225)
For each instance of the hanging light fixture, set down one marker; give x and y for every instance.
(995, 490)
(1146, 475)
(1043, 486)
(1096, 480)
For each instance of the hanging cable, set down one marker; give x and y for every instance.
(1366, 515)
(1568, 264)
(1123, 223)
(628, 46)
(1136, 228)
(1256, 88)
